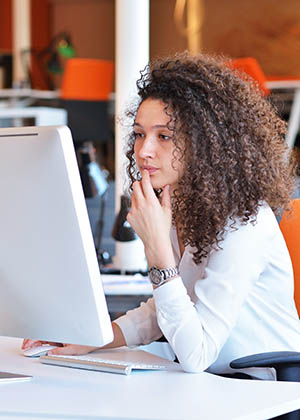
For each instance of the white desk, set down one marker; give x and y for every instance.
(42, 115)
(125, 292)
(116, 284)
(29, 93)
(64, 393)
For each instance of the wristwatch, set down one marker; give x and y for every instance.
(159, 276)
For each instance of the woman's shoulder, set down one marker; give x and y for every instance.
(264, 224)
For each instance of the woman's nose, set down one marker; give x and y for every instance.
(147, 148)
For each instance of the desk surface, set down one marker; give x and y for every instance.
(125, 292)
(65, 393)
(116, 284)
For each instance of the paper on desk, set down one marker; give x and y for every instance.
(115, 284)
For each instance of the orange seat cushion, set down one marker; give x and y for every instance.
(251, 67)
(290, 227)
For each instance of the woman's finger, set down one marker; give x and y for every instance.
(133, 201)
(137, 193)
(146, 185)
(166, 199)
(28, 343)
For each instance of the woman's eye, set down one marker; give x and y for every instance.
(164, 137)
(137, 135)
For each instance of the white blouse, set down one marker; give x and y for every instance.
(238, 301)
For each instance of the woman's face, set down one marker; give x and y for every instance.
(153, 146)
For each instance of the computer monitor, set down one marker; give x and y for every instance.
(50, 285)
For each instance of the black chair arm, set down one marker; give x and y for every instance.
(286, 364)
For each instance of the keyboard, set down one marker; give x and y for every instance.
(98, 364)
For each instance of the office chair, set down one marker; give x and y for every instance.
(251, 67)
(86, 86)
(290, 228)
(286, 364)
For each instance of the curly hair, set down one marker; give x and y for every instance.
(231, 142)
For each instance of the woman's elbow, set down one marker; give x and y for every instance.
(192, 367)
(195, 361)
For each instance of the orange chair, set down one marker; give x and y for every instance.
(251, 67)
(85, 89)
(87, 79)
(290, 228)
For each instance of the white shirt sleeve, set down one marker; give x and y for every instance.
(139, 326)
(197, 330)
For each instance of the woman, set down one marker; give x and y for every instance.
(208, 166)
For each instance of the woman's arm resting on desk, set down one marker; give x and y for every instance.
(76, 349)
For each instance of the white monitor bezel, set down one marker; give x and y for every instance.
(50, 285)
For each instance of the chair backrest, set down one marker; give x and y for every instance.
(251, 67)
(85, 89)
(87, 79)
(290, 228)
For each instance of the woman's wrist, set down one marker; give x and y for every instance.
(161, 261)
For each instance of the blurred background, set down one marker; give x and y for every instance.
(65, 39)
(268, 30)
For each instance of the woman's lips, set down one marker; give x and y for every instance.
(150, 169)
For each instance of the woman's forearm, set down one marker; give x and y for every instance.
(118, 340)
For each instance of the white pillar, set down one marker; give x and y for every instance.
(21, 38)
(132, 55)
(195, 17)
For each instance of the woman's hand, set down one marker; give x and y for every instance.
(28, 343)
(152, 220)
(60, 349)
(76, 349)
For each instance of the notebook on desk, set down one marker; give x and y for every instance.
(122, 361)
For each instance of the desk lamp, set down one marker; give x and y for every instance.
(60, 46)
(49, 60)
(131, 256)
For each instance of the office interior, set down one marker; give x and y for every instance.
(236, 29)
(87, 30)
(268, 31)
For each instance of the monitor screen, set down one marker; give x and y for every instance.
(50, 285)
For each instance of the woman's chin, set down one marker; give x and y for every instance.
(156, 185)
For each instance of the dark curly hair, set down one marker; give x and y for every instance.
(230, 139)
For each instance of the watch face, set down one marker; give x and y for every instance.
(155, 276)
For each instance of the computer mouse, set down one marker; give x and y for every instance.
(38, 350)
